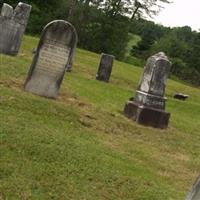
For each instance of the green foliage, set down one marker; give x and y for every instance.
(149, 32)
(102, 25)
(100, 32)
(181, 70)
(193, 57)
(143, 27)
(105, 37)
(147, 7)
(181, 44)
(134, 61)
(172, 45)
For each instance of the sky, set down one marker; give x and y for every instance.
(180, 13)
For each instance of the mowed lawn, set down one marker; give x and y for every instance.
(81, 146)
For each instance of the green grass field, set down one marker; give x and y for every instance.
(133, 40)
(81, 147)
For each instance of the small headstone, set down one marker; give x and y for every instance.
(51, 59)
(12, 27)
(181, 96)
(194, 193)
(105, 67)
(148, 105)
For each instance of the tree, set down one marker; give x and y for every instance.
(117, 7)
(146, 7)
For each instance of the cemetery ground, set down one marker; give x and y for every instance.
(81, 146)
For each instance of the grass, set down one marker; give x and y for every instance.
(133, 40)
(82, 147)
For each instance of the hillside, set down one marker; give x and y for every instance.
(133, 40)
(82, 147)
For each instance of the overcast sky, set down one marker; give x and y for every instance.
(180, 13)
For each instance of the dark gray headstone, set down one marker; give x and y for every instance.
(52, 57)
(12, 27)
(181, 96)
(194, 193)
(148, 106)
(105, 67)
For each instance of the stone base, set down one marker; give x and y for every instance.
(102, 79)
(147, 116)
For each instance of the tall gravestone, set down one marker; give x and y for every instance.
(194, 193)
(12, 27)
(51, 59)
(105, 67)
(148, 106)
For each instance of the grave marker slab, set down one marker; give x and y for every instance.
(148, 106)
(194, 193)
(181, 96)
(12, 27)
(105, 67)
(52, 57)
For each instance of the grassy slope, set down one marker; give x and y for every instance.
(133, 40)
(82, 147)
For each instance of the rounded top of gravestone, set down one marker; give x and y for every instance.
(105, 54)
(62, 22)
(161, 56)
(7, 10)
(22, 12)
(24, 4)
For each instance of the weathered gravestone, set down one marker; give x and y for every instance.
(105, 67)
(51, 59)
(194, 194)
(12, 27)
(148, 106)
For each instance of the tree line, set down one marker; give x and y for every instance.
(102, 25)
(181, 44)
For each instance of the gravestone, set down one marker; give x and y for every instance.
(51, 59)
(12, 27)
(105, 67)
(148, 106)
(181, 96)
(194, 193)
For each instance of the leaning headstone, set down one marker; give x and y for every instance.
(12, 27)
(51, 59)
(105, 67)
(181, 96)
(148, 106)
(194, 193)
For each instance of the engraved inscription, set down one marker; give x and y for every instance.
(52, 59)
